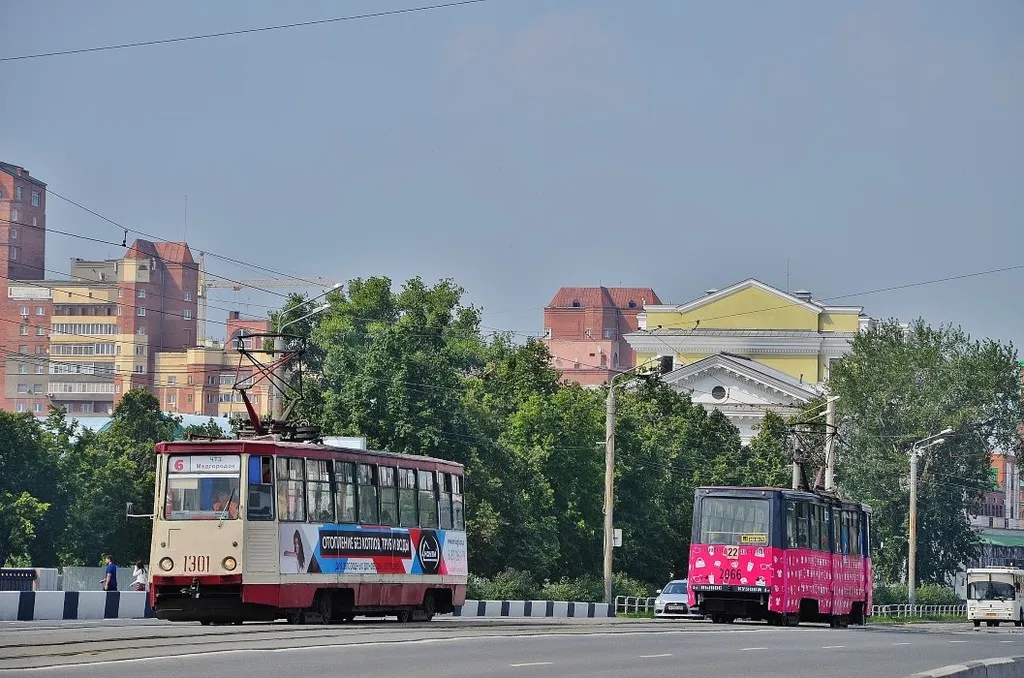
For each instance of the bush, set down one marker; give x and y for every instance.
(927, 594)
(507, 585)
(515, 585)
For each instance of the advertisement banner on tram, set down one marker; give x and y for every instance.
(353, 549)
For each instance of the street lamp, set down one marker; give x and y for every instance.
(664, 365)
(277, 413)
(915, 452)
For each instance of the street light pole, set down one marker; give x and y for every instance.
(830, 443)
(915, 452)
(609, 489)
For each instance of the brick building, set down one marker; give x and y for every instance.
(584, 329)
(22, 257)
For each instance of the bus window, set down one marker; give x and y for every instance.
(291, 503)
(407, 516)
(318, 491)
(388, 496)
(345, 491)
(458, 514)
(428, 500)
(261, 489)
(366, 476)
(444, 491)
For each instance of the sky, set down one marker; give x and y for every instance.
(518, 146)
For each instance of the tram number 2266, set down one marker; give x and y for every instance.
(196, 563)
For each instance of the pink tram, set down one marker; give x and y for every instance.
(781, 555)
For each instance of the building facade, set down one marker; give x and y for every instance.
(585, 330)
(748, 348)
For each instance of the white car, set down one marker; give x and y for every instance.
(672, 601)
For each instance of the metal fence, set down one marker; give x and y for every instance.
(91, 578)
(918, 610)
(629, 604)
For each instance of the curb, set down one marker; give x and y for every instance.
(60, 605)
(534, 608)
(999, 667)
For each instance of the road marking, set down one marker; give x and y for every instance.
(655, 656)
(832, 647)
(901, 643)
(958, 641)
(1007, 641)
(516, 666)
(749, 649)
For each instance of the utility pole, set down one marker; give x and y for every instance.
(915, 451)
(797, 453)
(609, 489)
(277, 413)
(830, 443)
(912, 551)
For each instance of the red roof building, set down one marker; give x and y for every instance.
(584, 329)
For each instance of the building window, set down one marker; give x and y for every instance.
(575, 366)
(24, 310)
(139, 369)
(14, 214)
(17, 193)
(718, 392)
(604, 360)
(39, 369)
(140, 311)
(23, 349)
(40, 349)
(87, 408)
(141, 330)
(615, 359)
(24, 330)
(14, 234)
(22, 368)
(37, 408)
(188, 315)
(575, 303)
(35, 198)
(37, 389)
(209, 398)
(172, 399)
(140, 350)
(34, 222)
(190, 397)
(188, 296)
(211, 380)
(172, 380)
(14, 253)
(40, 331)
(40, 310)
(120, 293)
(631, 304)
(609, 333)
(141, 293)
(21, 407)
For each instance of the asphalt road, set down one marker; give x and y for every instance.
(491, 647)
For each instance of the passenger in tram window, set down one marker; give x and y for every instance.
(222, 504)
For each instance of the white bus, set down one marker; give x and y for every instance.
(994, 595)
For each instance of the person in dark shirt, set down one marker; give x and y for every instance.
(110, 575)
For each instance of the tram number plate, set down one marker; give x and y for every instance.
(732, 551)
(196, 563)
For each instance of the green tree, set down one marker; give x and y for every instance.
(210, 429)
(765, 462)
(26, 486)
(898, 386)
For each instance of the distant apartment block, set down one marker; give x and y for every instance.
(585, 329)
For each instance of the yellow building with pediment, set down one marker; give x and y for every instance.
(749, 347)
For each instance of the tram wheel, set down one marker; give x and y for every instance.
(206, 622)
(404, 616)
(977, 623)
(297, 617)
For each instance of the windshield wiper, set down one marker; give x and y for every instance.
(227, 508)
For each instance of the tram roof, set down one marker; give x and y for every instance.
(732, 490)
(286, 447)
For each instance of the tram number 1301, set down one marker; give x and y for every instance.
(196, 563)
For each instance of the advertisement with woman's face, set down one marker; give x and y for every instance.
(294, 552)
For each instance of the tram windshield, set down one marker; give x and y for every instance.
(202, 487)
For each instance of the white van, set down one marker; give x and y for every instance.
(994, 595)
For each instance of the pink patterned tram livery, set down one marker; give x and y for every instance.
(781, 555)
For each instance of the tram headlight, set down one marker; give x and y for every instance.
(166, 564)
(229, 563)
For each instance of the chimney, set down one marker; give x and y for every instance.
(233, 315)
(803, 295)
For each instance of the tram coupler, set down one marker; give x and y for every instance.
(193, 589)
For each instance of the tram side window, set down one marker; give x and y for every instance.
(837, 530)
(444, 491)
(845, 536)
(802, 525)
(261, 489)
(855, 534)
(458, 514)
(388, 496)
(428, 500)
(318, 491)
(291, 503)
(366, 476)
(345, 491)
(823, 528)
(815, 520)
(791, 539)
(407, 515)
